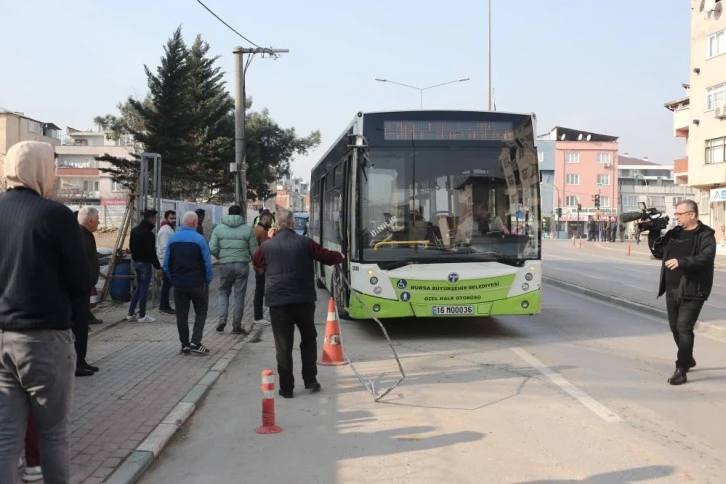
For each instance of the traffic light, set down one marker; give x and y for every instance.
(596, 198)
(579, 207)
(559, 211)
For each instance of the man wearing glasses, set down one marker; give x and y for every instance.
(688, 252)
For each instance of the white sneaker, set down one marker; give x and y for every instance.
(131, 317)
(32, 474)
(263, 322)
(146, 319)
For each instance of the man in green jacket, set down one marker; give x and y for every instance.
(233, 243)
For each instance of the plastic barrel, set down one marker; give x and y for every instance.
(120, 288)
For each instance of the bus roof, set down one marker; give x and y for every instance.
(341, 142)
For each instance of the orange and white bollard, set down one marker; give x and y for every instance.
(268, 404)
(580, 243)
(628, 247)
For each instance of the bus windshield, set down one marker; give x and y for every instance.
(449, 205)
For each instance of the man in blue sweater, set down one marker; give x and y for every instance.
(188, 264)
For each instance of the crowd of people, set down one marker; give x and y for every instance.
(48, 272)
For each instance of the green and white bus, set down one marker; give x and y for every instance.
(437, 213)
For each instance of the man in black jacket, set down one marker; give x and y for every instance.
(143, 252)
(287, 260)
(88, 221)
(688, 252)
(43, 271)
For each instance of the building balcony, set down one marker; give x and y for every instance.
(70, 171)
(681, 122)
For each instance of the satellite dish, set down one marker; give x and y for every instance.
(717, 9)
(708, 7)
(562, 136)
(588, 137)
(579, 137)
(702, 5)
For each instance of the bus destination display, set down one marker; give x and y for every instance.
(448, 130)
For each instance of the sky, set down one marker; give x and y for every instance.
(606, 67)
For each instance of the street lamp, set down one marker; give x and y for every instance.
(639, 174)
(422, 89)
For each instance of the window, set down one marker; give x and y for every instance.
(333, 205)
(540, 156)
(572, 157)
(715, 150)
(604, 201)
(716, 44)
(572, 179)
(90, 186)
(715, 96)
(630, 202)
(603, 178)
(33, 126)
(572, 200)
(603, 158)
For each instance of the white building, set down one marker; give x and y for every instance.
(81, 180)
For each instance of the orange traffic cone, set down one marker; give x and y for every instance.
(332, 345)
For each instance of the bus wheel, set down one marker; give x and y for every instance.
(340, 295)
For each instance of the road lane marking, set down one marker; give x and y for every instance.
(596, 407)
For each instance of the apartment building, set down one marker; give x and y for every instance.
(81, 180)
(642, 180)
(585, 166)
(700, 116)
(16, 127)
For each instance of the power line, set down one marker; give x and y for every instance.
(225, 23)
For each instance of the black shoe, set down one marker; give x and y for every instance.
(199, 349)
(95, 320)
(167, 310)
(679, 377)
(186, 350)
(285, 393)
(221, 326)
(81, 371)
(88, 367)
(314, 387)
(692, 364)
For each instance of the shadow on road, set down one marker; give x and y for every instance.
(638, 474)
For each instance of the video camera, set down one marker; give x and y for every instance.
(650, 219)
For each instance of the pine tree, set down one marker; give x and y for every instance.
(212, 137)
(168, 120)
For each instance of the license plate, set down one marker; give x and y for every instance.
(452, 310)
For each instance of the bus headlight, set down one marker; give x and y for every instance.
(374, 281)
(377, 290)
(376, 308)
(528, 276)
(525, 304)
(525, 286)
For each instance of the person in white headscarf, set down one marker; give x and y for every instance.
(44, 275)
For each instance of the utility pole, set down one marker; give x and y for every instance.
(239, 167)
(490, 55)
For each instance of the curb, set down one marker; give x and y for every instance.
(701, 326)
(134, 466)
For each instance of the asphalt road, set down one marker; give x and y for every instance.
(575, 394)
(608, 268)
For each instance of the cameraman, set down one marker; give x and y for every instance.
(688, 252)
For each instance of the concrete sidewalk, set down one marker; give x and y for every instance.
(142, 378)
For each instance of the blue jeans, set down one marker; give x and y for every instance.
(234, 274)
(143, 280)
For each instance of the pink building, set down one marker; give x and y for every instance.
(586, 166)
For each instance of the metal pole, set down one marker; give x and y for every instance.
(239, 115)
(421, 93)
(239, 120)
(490, 55)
